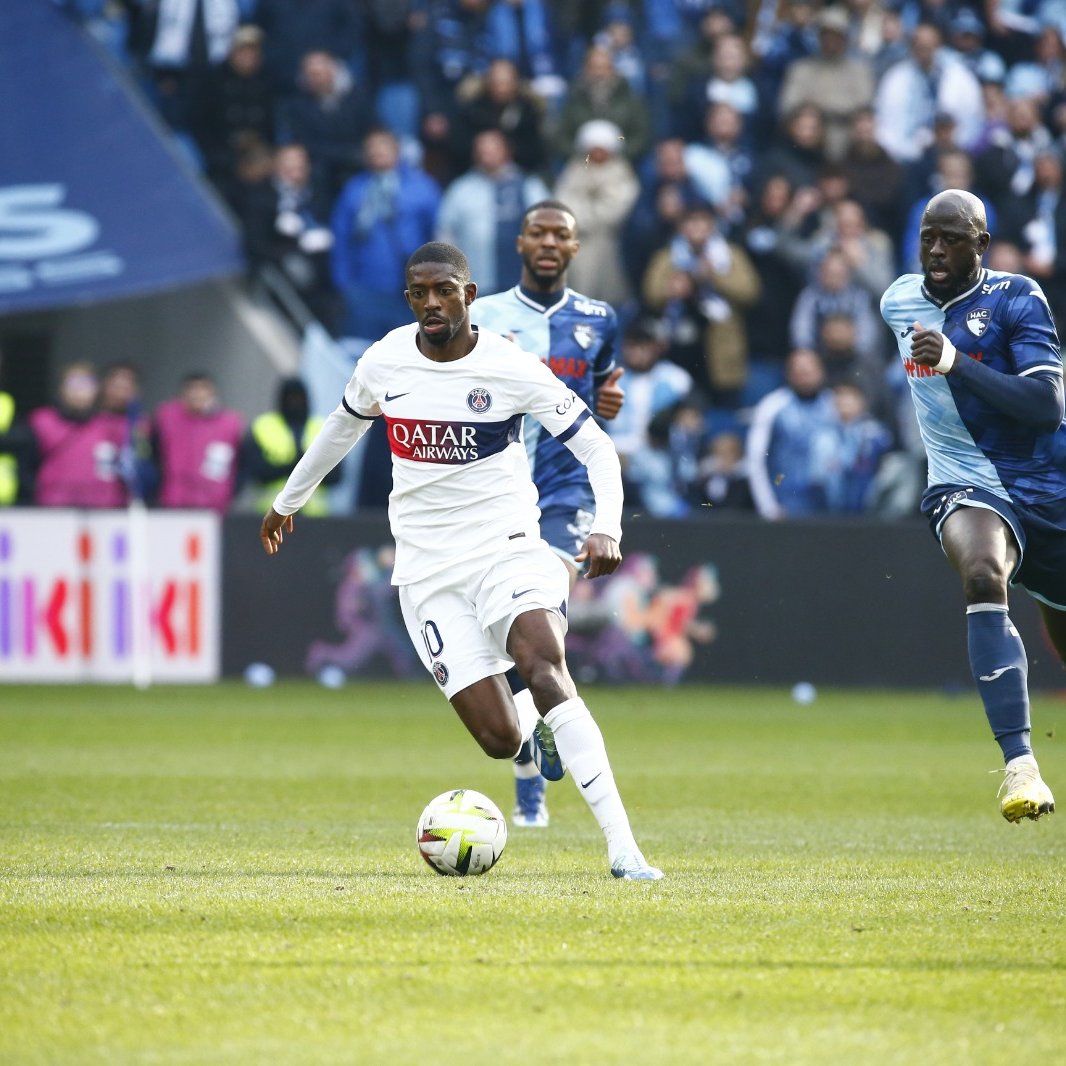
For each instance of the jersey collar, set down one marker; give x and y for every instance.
(546, 311)
(981, 278)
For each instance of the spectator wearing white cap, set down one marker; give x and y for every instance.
(601, 186)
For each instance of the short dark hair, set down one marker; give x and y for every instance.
(547, 205)
(439, 252)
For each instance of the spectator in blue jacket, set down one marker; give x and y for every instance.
(381, 216)
(785, 458)
(482, 210)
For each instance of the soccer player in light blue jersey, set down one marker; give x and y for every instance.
(983, 363)
(576, 336)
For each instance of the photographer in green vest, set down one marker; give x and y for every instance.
(275, 443)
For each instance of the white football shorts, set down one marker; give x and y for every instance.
(459, 619)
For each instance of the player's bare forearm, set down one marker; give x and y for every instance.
(601, 554)
(273, 529)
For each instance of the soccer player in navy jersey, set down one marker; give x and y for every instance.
(577, 337)
(984, 367)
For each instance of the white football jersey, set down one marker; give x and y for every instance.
(461, 481)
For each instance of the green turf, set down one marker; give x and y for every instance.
(228, 875)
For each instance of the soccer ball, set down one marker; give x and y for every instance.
(461, 832)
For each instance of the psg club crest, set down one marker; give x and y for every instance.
(479, 400)
(440, 673)
(584, 335)
(977, 320)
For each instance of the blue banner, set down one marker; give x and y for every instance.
(94, 202)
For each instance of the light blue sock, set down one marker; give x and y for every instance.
(997, 659)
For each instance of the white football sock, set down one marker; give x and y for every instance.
(528, 716)
(527, 720)
(581, 748)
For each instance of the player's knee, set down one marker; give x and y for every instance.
(500, 742)
(985, 581)
(549, 682)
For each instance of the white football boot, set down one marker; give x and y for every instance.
(632, 866)
(1023, 790)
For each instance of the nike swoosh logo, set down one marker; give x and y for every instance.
(521, 592)
(585, 784)
(997, 673)
(396, 397)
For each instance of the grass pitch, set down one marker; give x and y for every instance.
(228, 875)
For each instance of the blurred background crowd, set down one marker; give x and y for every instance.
(747, 180)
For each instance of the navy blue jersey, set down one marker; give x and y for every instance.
(576, 337)
(1004, 321)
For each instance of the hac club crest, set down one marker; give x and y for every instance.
(977, 320)
(584, 335)
(479, 400)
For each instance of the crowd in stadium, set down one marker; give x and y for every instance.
(747, 180)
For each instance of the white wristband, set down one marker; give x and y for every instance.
(947, 358)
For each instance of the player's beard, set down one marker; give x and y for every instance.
(545, 282)
(942, 290)
(953, 285)
(439, 340)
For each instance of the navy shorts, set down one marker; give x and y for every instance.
(1039, 529)
(566, 529)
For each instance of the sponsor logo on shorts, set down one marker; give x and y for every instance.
(440, 673)
(479, 400)
(949, 502)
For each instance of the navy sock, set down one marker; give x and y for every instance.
(514, 679)
(997, 659)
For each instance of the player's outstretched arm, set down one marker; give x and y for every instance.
(272, 531)
(601, 554)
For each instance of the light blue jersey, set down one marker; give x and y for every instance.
(1003, 321)
(576, 337)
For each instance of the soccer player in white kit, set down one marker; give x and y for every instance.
(479, 589)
